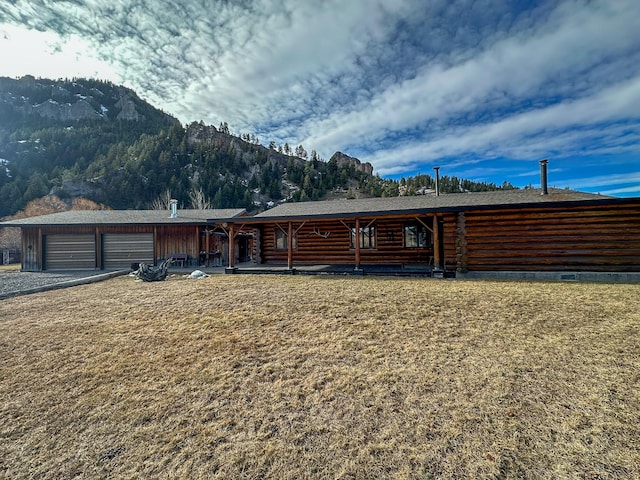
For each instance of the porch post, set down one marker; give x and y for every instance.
(196, 247)
(232, 245)
(437, 257)
(290, 246)
(156, 247)
(207, 247)
(40, 251)
(357, 243)
(98, 249)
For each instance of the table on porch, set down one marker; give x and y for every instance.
(211, 259)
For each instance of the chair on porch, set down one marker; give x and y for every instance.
(179, 257)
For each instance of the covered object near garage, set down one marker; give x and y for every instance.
(113, 239)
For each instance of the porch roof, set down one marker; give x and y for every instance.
(428, 203)
(127, 217)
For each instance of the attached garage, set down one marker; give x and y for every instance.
(116, 239)
(120, 250)
(69, 252)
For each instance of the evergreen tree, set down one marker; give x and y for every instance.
(301, 152)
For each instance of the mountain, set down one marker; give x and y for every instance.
(96, 140)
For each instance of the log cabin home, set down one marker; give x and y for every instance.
(544, 230)
(116, 239)
(530, 230)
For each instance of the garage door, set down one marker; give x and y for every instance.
(120, 250)
(69, 252)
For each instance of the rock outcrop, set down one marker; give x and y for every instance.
(80, 110)
(127, 110)
(345, 160)
(69, 101)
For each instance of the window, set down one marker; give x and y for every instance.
(416, 235)
(282, 240)
(367, 237)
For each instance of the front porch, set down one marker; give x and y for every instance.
(395, 270)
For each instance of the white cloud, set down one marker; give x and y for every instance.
(55, 57)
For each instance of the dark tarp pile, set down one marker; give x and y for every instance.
(149, 273)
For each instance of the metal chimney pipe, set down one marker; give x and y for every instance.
(543, 177)
(437, 169)
(174, 208)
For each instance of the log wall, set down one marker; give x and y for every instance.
(586, 238)
(313, 248)
(449, 241)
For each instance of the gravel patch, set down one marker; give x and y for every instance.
(12, 282)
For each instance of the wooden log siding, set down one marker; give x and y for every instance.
(178, 239)
(31, 249)
(587, 238)
(312, 247)
(450, 247)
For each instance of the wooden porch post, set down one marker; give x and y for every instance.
(40, 252)
(196, 247)
(290, 246)
(98, 249)
(437, 257)
(156, 247)
(207, 247)
(232, 245)
(357, 243)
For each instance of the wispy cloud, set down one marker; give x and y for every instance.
(607, 180)
(634, 190)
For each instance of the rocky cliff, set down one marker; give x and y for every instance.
(345, 160)
(73, 100)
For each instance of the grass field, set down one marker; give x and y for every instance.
(293, 377)
(12, 267)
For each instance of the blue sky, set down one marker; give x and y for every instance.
(482, 89)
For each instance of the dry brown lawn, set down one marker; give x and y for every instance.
(12, 267)
(293, 377)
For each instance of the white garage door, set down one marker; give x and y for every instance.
(69, 252)
(120, 250)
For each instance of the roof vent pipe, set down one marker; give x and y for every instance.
(543, 177)
(174, 208)
(437, 169)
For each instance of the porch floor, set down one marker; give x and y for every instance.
(334, 269)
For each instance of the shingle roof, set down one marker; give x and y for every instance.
(454, 201)
(126, 217)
